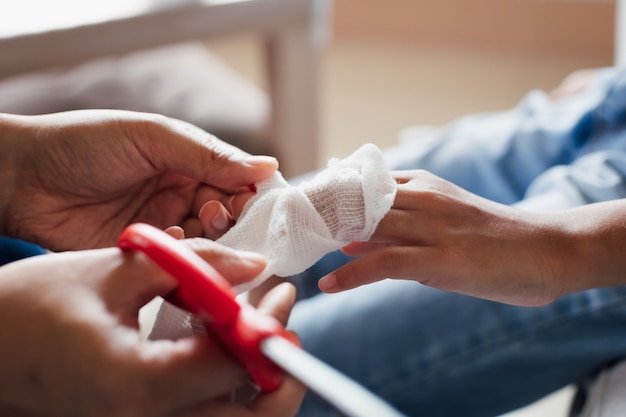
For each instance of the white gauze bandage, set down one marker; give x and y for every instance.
(295, 226)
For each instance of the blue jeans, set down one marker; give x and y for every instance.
(432, 353)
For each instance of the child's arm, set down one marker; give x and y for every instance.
(448, 238)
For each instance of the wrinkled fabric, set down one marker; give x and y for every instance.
(294, 226)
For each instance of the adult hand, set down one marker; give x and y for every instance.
(286, 400)
(276, 301)
(448, 238)
(70, 345)
(74, 180)
(219, 211)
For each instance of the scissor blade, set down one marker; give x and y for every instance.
(343, 393)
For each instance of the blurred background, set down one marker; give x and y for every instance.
(302, 79)
(397, 63)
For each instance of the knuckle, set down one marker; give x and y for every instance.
(391, 259)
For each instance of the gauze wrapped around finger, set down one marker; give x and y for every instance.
(295, 226)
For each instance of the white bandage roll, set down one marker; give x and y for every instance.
(293, 227)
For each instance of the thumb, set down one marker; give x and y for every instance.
(236, 266)
(186, 149)
(135, 279)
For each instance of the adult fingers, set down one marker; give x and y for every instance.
(238, 202)
(206, 193)
(218, 407)
(182, 373)
(176, 232)
(232, 202)
(136, 273)
(215, 219)
(125, 281)
(192, 227)
(187, 149)
(218, 216)
(279, 301)
(237, 267)
(284, 402)
(135, 280)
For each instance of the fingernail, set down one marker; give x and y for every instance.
(328, 282)
(259, 160)
(220, 221)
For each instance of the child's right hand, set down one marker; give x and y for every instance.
(445, 237)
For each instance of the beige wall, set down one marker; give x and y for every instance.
(537, 24)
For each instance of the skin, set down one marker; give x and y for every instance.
(446, 237)
(220, 211)
(74, 180)
(69, 338)
(73, 318)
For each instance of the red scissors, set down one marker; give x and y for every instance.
(258, 341)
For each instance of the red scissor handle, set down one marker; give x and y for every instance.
(204, 292)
